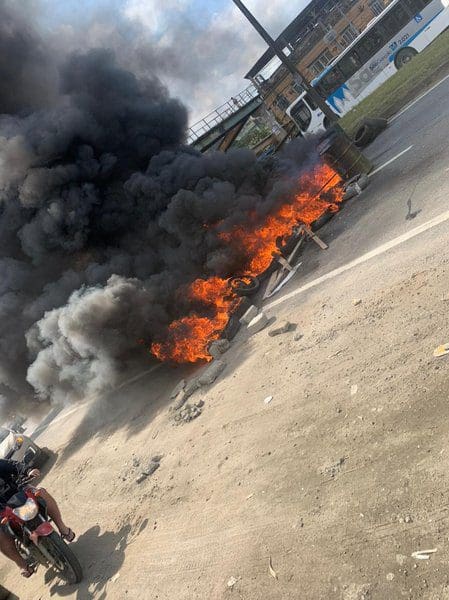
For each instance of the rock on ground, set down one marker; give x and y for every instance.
(212, 372)
(219, 347)
(283, 327)
(258, 323)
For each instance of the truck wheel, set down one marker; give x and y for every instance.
(404, 56)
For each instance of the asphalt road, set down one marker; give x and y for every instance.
(409, 191)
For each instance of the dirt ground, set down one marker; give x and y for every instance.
(336, 485)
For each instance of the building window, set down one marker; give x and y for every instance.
(318, 65)
(377, 7)
(348, 35)
(282, 103)
(297, 87)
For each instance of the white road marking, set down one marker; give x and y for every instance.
(401, 112)
(390, 161)
(364, 258)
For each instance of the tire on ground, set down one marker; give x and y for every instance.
(368, 130)
(244, 286)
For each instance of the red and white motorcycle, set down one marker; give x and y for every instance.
(25, 517)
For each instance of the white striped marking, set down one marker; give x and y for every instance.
(390, 161)
(364, 258)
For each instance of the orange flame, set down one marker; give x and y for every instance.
(188, 338)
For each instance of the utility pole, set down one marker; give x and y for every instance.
(289, 64)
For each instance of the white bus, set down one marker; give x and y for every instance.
(389, 42)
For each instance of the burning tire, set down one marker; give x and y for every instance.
(244, 286)
(321, 221)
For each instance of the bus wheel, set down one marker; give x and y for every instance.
(404, 56)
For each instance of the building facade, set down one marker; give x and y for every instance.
(313, 40)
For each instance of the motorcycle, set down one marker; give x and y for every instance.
(25, 517)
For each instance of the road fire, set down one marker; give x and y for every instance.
(212, 300)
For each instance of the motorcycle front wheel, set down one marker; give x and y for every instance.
(63, 559)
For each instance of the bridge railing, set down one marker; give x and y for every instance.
(221, 113)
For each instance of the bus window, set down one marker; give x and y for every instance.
(302, 115)
(371, 44)
(401, 15)
(350, 64)
(415, 6)
(390, 25)
(330, 82)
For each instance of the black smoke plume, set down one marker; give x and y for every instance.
(104, 215)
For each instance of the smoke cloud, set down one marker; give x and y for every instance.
(104, 215)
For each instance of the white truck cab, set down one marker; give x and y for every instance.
(307, 116)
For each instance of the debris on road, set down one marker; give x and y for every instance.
(333, 470)
(252, 312)
(355, 186)
(406, 519)
(268, 399)
(441, 350)
(189, 412)
(258, 323)
(283, 327)
(179, 388)
(153, 466)
(218, 347)
(423, 554)
(271, 570)
(211, 373)
(231, 582)
(182, 397)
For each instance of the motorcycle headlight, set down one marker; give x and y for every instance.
(28, 511)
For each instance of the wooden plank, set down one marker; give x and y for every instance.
(315, 238)
(272, 283)
(285, 264)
